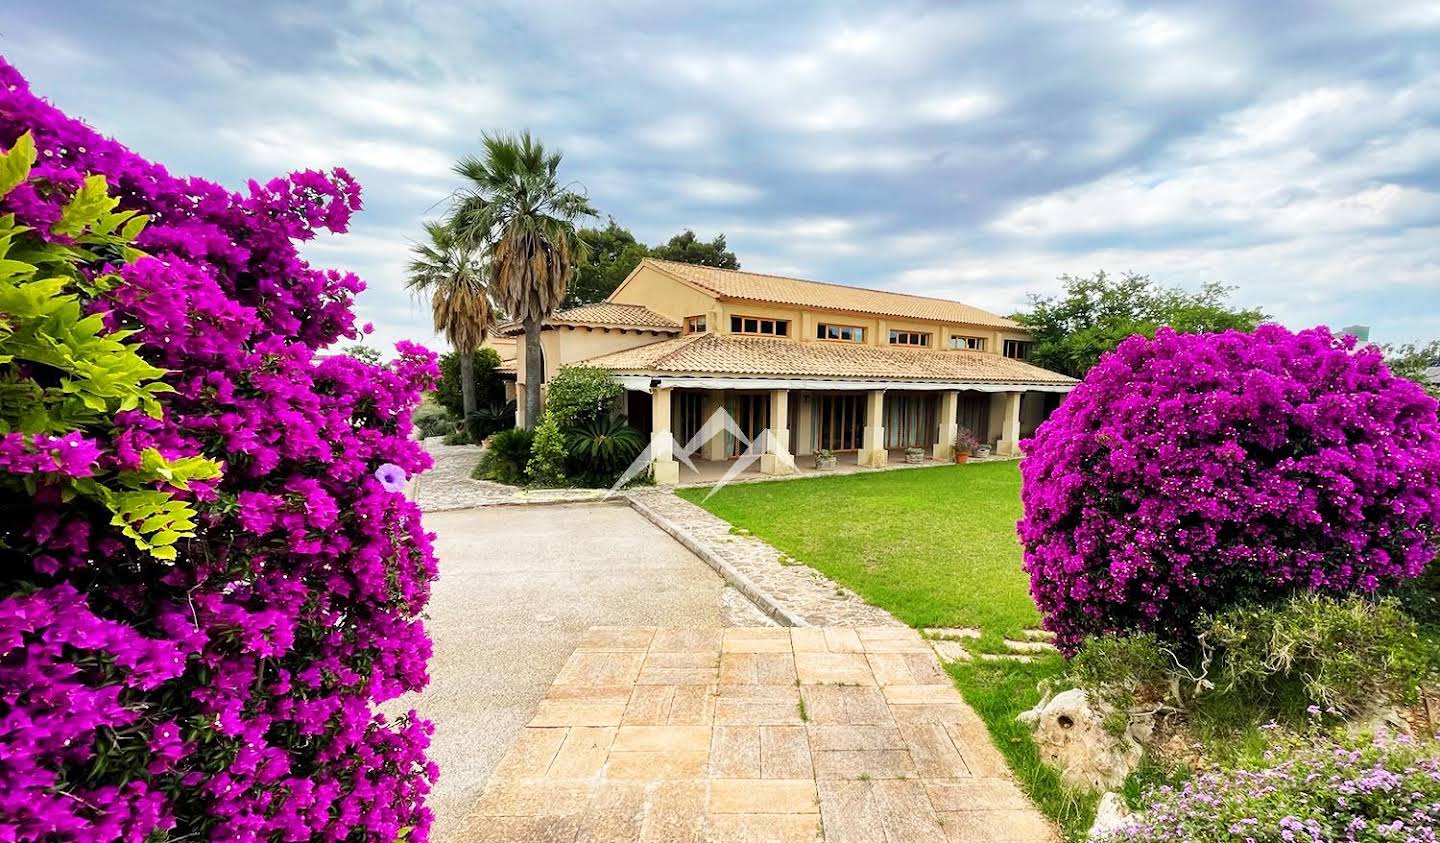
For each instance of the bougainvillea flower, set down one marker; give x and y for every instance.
(1192, 470)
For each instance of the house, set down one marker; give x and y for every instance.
(820, 366)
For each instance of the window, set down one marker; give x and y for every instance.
(909, 338)
(971, 343)
(756, 325)
(1019, 349)
(846, 333)
(695, 325)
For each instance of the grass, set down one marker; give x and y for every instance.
(934, 546)
(999, 691)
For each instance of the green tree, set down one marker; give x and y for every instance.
(362, 352)
(1094, 314)
(517, 211)
(446, 268)
(1419, 362)
(685, 247)
(486, 384)
(613, 254)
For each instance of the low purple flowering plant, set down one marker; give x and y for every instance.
(1306, 789)
(202, 658)
(391, 476)
(1193, 471)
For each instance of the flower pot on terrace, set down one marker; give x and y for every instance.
(825, 463)
(961, 457)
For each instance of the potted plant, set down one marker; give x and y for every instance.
(914, 456)
(965, 442)
(825, 459)
(982, 451)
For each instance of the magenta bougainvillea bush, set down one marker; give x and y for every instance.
(1190, 471)
(211, 674)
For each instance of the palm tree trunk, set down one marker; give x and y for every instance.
(467, 382)
(534, 373)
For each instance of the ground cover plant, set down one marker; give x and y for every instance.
(211, 575)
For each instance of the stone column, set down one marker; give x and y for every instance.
(662, 444)
(1009, 444)
(777, 458)
(872, 446)
(944, 449)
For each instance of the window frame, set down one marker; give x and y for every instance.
(1025, 347)
(924, 337)
(690, 324)
(740, 324)
(966, 342)
(823, 329)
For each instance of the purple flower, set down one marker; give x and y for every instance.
(391, 476)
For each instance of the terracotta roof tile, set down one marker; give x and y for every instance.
(754, 286)
(605, 314)
(738, 355)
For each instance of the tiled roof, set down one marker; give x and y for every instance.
(735, 284)
(739, 355)
(605, 314)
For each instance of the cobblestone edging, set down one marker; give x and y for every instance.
(793, 594)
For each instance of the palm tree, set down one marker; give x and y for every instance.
(516, 210)
(446, 269)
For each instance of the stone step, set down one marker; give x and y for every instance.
(1029, 646)
(1037, 635)
(951, 651)
(953, 633)
(1006, 657)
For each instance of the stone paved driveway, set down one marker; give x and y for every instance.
(807, 734)
(518, 588)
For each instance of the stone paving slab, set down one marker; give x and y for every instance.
(872, 745)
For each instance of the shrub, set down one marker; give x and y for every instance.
(1349, 654)
(1190, 472)
(506, 457)
(965, 441)
(600, 449)
(497, 415)
(1122, 671)
(1304, 789)
(436, 423)
(547, 454)
(228, 691)
(578, 395)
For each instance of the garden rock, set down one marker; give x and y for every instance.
(1110, 816)
(1072, 737)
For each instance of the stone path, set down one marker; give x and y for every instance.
(518, 589)
(448, 486)
(786, 735)
(796, 594)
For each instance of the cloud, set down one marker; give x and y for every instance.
(962, 149)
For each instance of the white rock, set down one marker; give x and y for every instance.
(1110, 816)
(1071, 736)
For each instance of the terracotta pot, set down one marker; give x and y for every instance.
(962, 458)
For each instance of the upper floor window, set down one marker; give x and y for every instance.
(847, 333)
(909, 338)
(1019, 349)
(971, 343)
(757, 325)
(695, 325)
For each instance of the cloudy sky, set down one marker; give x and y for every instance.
(967, 151)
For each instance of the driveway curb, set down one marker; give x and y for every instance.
(767, 604)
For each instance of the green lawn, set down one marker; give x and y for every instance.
(934, 546)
